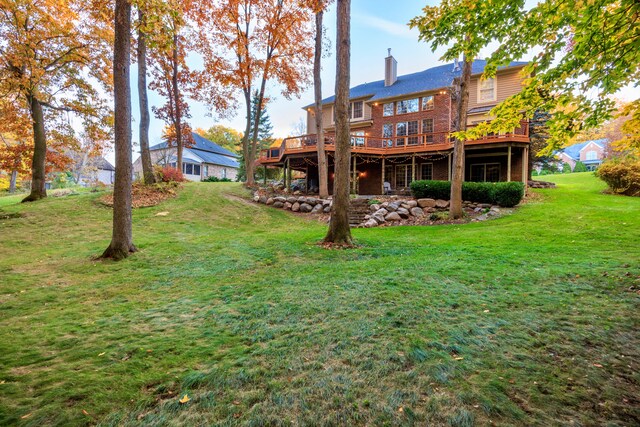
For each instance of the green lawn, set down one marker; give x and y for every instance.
(524, 320)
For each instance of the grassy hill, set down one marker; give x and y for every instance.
(528, 319)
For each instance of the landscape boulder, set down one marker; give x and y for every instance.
(288, 205)
(404, 213)
(306, 208)
(317, 209)
(295, 207)
(262, 199)
(411, 203)
(270, 201)
(278, 204)
(280, 199)
(371, 223)
(442, 203)
(417, 212)
(392, 216)
(374, 207)
(379, 217)
(292, 200)
(426, 203)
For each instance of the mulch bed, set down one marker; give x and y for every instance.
(145, 196)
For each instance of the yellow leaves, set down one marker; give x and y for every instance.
(184, 399)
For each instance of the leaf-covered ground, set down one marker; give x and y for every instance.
(530, 319)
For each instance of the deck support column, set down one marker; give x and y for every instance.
(286, 175)
(449, 168)
(306, 181)
(383, 175)
(525, 165)
(509, 163)
(413, 167)
(353, 181)
(265, 174)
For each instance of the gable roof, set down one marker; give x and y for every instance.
(103, 164)
(422, 81)
(202, 144)
(574, 150)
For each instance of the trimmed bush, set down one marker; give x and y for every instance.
(506, 194)
(431, 189)
(566, 168)
(621, 175)
(216, 179)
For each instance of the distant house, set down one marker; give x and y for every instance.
(202, 160)
(99, 170)
(591, 153)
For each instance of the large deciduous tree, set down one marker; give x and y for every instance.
(248, 43)
(339, 230)
(466, 26)
(143, 100)
(51, 55)
(122, 237)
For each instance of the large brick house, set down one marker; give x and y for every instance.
(400, 130)
(591, 153)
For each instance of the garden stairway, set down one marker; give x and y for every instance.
(358, 209)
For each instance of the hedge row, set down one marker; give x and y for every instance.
(506, 194)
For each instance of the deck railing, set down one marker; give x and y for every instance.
(378, 145)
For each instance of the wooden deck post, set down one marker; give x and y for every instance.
(306, 180)
(265, 174)
(383, 175)
(353, 183)
(525, 165)
(413, 167)
(509, 163)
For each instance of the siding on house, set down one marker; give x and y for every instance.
(508, 82)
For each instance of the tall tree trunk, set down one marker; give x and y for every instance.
(12, 182)
(38, 175)
(455, 207)
(121, 241)
(246, 138)
(176, 97)
(145, 155)
(339, 230)
(323, 181)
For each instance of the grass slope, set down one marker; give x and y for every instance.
(524, 320)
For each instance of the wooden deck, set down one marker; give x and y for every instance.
(421, 143)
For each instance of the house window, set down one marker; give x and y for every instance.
(412, 129)
(224, 172)
(409, 129)
(173, 165)
(403, 176)
(356, 110)
(387, 135)
(357, 138)
(196, 170)
(592, 155)
(407, 106)
(427, 129)
(426, 171)
(427, 103)
(485, 172)
(206, 170)
(388, 174)
(187, 168)
(387, 109)
(487, 90)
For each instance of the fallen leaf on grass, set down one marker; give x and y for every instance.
(486, 311)
(85, 412)
(101, 354)
(401, 409)
(162, 214)
(458, 358)
(24, 417)
(236, 402)
(597, 365)
(184, 399)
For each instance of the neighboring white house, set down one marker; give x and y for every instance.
(203, 159)
(100, 171)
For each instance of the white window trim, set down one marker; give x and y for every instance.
(408, 112)
(433, 103)
(351, 119)
(495, 91)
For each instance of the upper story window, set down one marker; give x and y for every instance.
(356, 110)
(387, 109)
(592, 155)
(427, 103)
(487, 90)
(407, 106)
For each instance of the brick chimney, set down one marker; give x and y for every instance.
(390, 70)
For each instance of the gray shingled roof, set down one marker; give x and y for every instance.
(573, 151)
(103, 164)
(201, 144)
(422, 81)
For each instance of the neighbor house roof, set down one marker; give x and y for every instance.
(574, 150)
(201, 143)
(423, 81)
(103, 164)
